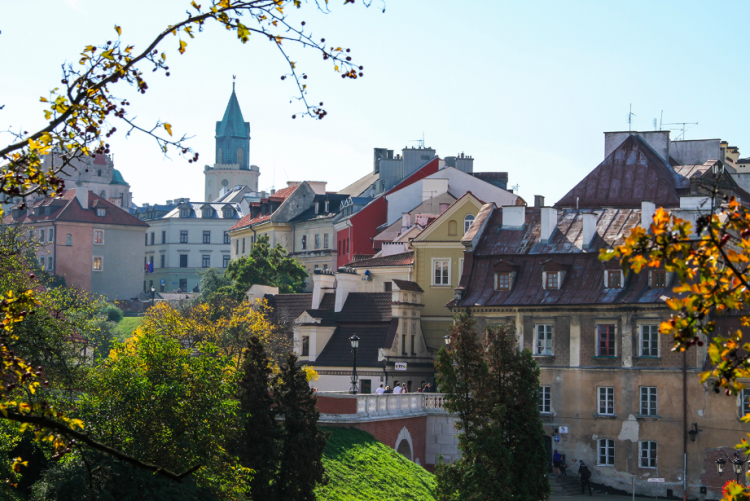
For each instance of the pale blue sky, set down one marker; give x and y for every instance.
(524, 87)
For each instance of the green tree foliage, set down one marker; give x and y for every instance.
(287, 454)
(212, 279)
(265, 265)
(494, 389)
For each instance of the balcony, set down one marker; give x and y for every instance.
(341, 406)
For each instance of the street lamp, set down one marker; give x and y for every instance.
(354, 340)
(693, 433)
(738, 464)
(447, 340)
(153, 290)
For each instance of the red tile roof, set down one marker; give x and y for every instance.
(67, 208)
(248, 220)
(282, 194)
(403, 259)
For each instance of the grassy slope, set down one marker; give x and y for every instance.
(126, 327)
(361, 468)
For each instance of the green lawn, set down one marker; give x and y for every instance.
(360, 468)
(126, 327)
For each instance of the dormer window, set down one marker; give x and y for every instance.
(505, 274)
(327, 210)
(658, 278)
(184, 212)
(316, 207)
(502, 281)
(228, 213)
(208, 212)
(614, 279)
(101, 212)
(553, 280)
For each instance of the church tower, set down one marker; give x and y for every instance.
(232, 167)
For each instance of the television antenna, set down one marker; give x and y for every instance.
(420, 142)
(683, 127)
(630, 117)
(514, 188)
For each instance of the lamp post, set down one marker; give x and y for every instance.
(153, 290)
(738, 463)
(447, 340)
(354, 340)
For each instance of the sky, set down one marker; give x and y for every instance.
(527, 88)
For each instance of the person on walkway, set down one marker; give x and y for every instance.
(396, 390)
(388, 389)
(585, 474)
(380, 390)
(403, 388)
(556, 460)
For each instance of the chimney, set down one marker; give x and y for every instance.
(549, 222)
(346, 282)
(538, 201)
(323, 282)
(444, 207)
(589, 228)
(405, 222)
(82, 194)
(648, 209)
(513, 216)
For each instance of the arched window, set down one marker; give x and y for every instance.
(467, 222)
(68, 240)
(240, 156)
(219, 157)
(99, 173)
(452, 225)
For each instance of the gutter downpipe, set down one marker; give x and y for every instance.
(684, 425)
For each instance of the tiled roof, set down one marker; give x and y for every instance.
(283, 193)
(403, 259)
(360, 185)
(362, 307)
(338, 350)
(406, 285)
(430, 206)
(287, 307)
(67, 208)
(248, 220)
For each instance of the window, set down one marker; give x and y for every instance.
(162, 259)
(42, 233)
(460, 268)
(305, 346)
(206, 261)
(403, 344)
(325, 266)
(648, 400)
(327, 206)
(606, 452)
(208, 213)
(50, 235)
(607, 401)
(649, 340)
(606, 341)
(41, 261)
(413, 351)
(317, 241)
(316, 267)
(614, 279)
(206, 237)
(243, 245)
(648, 454)
(347, 245)
(441, 275)
(545, 400)
(99, 237)
(225, 260)
(658, 278)
(228, 213)
(304, 242)
(183, 261)
(226, 237)
(553, 281)
(325, 239)
(151, 261)
(745, 402)
(388, 286)
(146, 235)
(163, 237)
(316, 207)
(49, 263)
(543, 343)
(184, 212)
(183, 236)
(183, 284)
(153, 236)
(503, 281)
(467, 222)
(98, 263)
(101, 212)
(68, 239)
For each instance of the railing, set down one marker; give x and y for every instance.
(372, 405)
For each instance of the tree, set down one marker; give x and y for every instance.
(265, 265)
(286, 455)
(79, 115)
(494, 389)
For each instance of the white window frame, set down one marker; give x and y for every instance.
(50, 263)
(744, 403)
(606, 445)
(653, 330)
(42, 235)
(68, 240)
(50, 235)
(648, 392)
(602, 394)
(441, 260)
(469, 221)
(648, 456)
(93, 263)
(100, 212)
(225, 261)
(98, 231)
(548, 329)
(326, 241)
(545, 400)
(204, 258)
(42, 260)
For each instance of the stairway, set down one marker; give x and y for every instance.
(562, 486)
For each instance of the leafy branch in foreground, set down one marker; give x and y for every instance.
(79, 114)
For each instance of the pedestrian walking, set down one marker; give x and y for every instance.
(585, 474)
(396, 390)
(388, 389)
(380, 390)
(403, 388)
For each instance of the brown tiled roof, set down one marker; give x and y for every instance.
(248, 220)
(406, 285)
(403, 259)
(67, 208)
(282, 194)
(633, 172)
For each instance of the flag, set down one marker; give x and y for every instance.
(151, 267)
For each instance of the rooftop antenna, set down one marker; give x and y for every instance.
(234, 78)
(420, 142)
(514, 188)
(630, 117)
(683, 127)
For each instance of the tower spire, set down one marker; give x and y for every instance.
(234, 77)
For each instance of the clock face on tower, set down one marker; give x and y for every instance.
(224, 182)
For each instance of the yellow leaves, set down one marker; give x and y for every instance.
(108, 55)
(195, 6)
(75, 422)
(168, 127)
(17, 463)
(118, 30)
(336, 68)
(43, 100)
(183, 44)
(310, 373)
